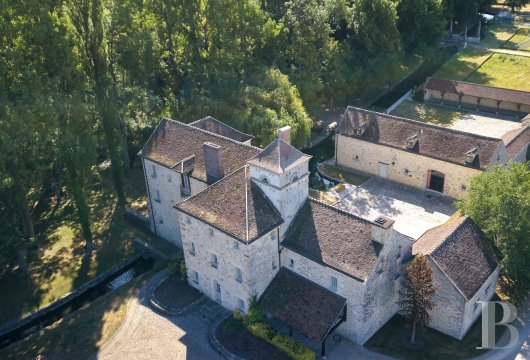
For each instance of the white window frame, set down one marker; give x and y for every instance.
(239, 275)
(157, 196)
(334, 284)
(195, 277)
(192, 250)
(215, 261)
(153, 171)
(241, 304)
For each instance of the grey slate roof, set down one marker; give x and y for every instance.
(235, 205)
(335, 238)
(172, 142)
(433, 141)
(299, 302)
(462, 252)
(217, 127)
(279, 157)
(477, 90)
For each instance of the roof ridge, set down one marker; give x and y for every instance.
(339, 210)
(462, 220)
(219, 121)
(479, 85)
(472, 135)
(211, 133)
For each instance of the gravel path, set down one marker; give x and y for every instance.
(148, 335)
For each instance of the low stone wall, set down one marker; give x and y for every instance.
(98, 280)
(158, 306)
(216, 344)
(136, 219)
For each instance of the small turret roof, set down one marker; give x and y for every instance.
(279, 157)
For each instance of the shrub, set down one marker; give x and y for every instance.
(288, 345)
(255, 313)
(182, 269)
(340, 187)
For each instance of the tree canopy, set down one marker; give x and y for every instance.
(499, 202)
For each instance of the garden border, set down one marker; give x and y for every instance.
(169, 311)
(216, 344)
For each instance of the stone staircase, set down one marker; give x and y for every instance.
(209, 311)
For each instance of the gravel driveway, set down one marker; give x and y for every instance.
(147, 335)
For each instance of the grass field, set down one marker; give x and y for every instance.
(57, 263)
(431, 114)
(503, 70)
(519, 41)
(498, 34)
(463, 63)
(81, 333)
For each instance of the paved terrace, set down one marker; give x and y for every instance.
(414, 211)
(485, 125)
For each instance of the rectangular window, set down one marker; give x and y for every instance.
(291, 262)
(239, 275)
(195, 277)
(241, 304)
(334, 283)
(236, 245)
(192, 249)
(157, 198)
(215, 263)
(273, 264)
(153, 171)
(161, 221)
(169, 178)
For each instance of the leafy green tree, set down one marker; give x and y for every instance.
(420, 23)
(499, 202)
(516, 4)
(416, 296)
(273, 99)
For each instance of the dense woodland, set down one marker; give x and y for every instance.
(84, 81)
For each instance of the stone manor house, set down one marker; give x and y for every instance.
(247, 227)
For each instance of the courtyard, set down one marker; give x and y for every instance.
(414, 211)
(485, 124)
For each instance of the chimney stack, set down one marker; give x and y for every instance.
(285, 134)
(382, 229)
(213, 162)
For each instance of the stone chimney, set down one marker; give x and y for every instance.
(285, 134)
(213, 162)
(382, 228)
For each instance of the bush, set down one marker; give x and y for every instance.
(255, 313)
(173, 265)
(182, 269)
(288, 345)
(340, 187)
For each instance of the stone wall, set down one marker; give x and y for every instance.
(254, 260)
(287, 191)
(485, 293)
(448, 315)
(164, 219)
(403, 167)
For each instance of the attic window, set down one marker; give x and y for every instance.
(412, 141)
(471, 156)
(361, 128)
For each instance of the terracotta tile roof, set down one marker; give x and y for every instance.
(462, 252)
(335, 238)
(432, 141)
(235, 205)
(477, 90)
(299, 302)
(279, 157)
(172, 142)
(217, 127)
(516, 141)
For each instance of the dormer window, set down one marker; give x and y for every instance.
(360, 129)
(412, 142)
(471, 156)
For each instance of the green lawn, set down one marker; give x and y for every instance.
(342, 174)
(57, 264)
(501, 70)
(431, 114)
(498, 34)
(463, 63)
(81, 333)
(519, 41)
(392, 339)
